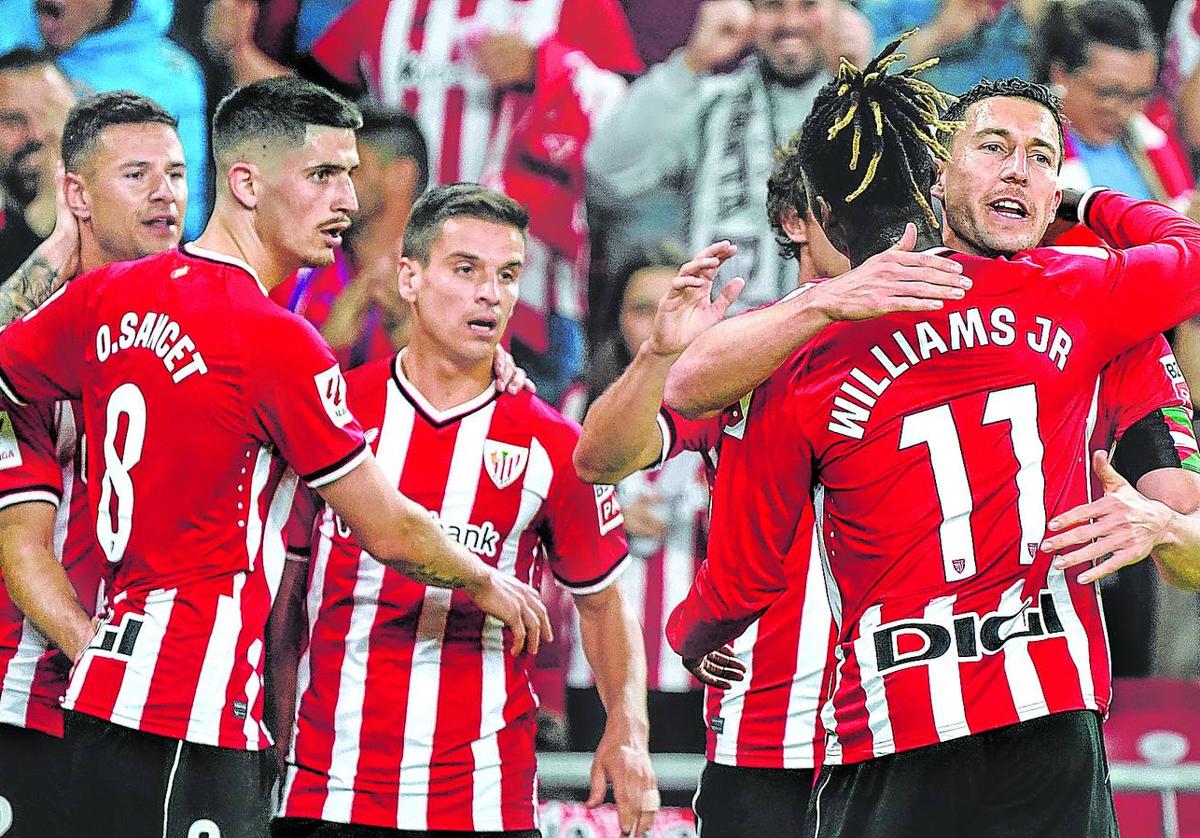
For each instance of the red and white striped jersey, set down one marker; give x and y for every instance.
(39, 461)
(942, 444)
(411, 712)
(198, 392)
(419, 55)
(661, 569)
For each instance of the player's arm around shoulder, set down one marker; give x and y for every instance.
(403, 535)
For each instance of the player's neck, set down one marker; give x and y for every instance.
(91, 256)
(234, 235)
(445, 382)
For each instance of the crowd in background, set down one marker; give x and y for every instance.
(636, 132)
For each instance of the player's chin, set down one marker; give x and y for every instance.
(319, 257)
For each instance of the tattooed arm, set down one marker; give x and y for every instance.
(403, 535)
(55, 261)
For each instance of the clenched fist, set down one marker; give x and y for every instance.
(722, 31)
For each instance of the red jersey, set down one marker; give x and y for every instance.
(768, 719)
(39, 461)
(312, 293)
(198, 392)
(411, 712)
(942, 444)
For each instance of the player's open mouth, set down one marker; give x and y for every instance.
(1009, 208)
(52, 9)
(483, 326)
(163, 225)
(333, 234)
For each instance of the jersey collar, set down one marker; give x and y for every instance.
(225, 259)
(437, 417)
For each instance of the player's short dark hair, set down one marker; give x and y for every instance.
(457, 200)
(1010, 88)
(90, 116)
(397, 135)
(1066, 32)
(23, 58)
(786, 193)
(277, 110)
(868, 145)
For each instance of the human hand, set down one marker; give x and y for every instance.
(505, 58)
(623, 761)
(688, 310)
(717, 669)
(508, 377)
(1119, 529)
(229, 26)
(722, 31)
(896, 280)
(518, 606)
(642, 518)
(956, 19)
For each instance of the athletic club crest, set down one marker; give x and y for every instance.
(503, 462)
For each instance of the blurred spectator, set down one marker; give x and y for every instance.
(660, 26)
(974, 39)
(852, 37)
(1101, 56)
(666, 518)
(508, 92)
(34, 100)
(713, 136)
(122, 45)
(1180, 76)
(354, 302)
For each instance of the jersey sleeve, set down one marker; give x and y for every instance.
(341, 49)
(758, 503)
(681, 434)
(1146, 287)
(583, 527)
(29, 464)
(298, 531)
(1141, 380)
(42, 354)
(301, 402)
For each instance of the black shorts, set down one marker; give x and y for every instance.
(128, 783)
(751, 802)
(1043, 777)
(310, 828)
(33, 770)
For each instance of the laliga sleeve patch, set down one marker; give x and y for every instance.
(332, 389)
(734, 420)
(608, 508)
(10, 451)
(1175, 374)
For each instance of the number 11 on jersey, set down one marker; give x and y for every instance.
(936, 429)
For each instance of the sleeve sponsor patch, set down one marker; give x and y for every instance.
(10, 450)
(331, 386)
(608, 508)
(1175, 374)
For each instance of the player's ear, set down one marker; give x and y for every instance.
(938, 190)
(78, 199)
(244, 183)
(793, 226)
(409, 279)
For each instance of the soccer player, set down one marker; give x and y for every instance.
(198, 391)
(411, 715)
(949, 632)
(43, 507)
(761, 707)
